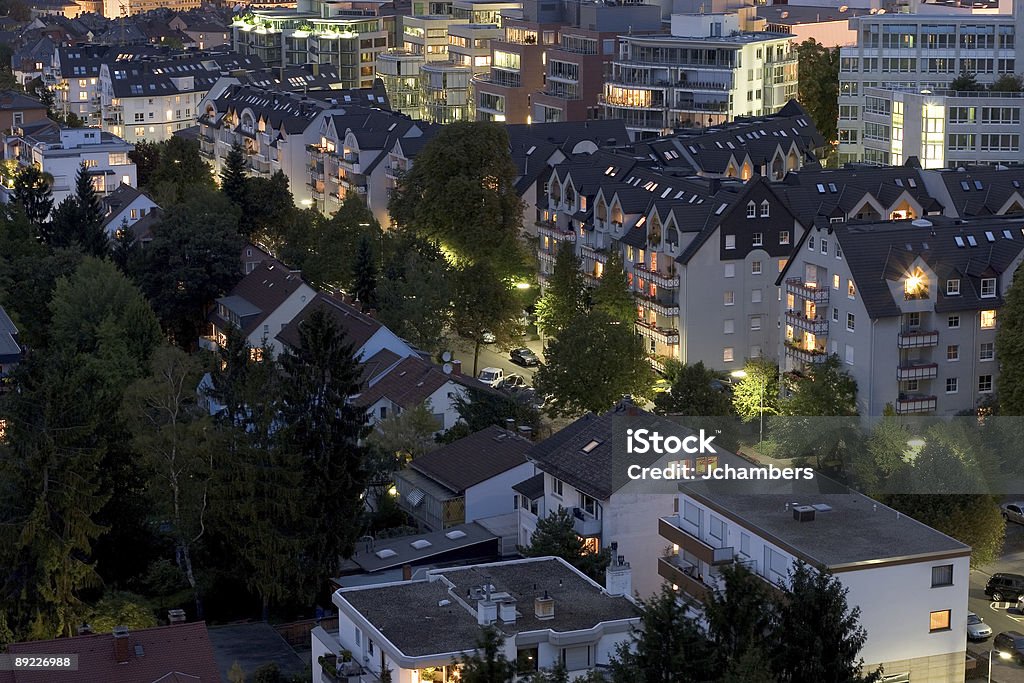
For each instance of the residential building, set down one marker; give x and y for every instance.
(446, 94)
(484, 11)
(827, 23)
(466, 480)
(548, 612)
(910, 307)
(888, 563)
(260, 307)
(400, 72)
(401, 383)
(149, 100)
(915, 53)
(17, 109)
(60, 152)
(124, 207)
(124, 8)
(705, 73)
(348, 34)
(206, 31)
(10, 350)
(180, 652)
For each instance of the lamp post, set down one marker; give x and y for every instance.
(741, 374)
(1002, 655)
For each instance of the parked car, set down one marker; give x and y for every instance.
(1013, 512)
(514, 383)
(1004, 587)
(977, 629)
(492, 377)
(488, 337)
(1010, 645)
(524, 357)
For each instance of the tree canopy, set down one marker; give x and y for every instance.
(556, 537)
(693, 390)
(818, 86)
(565, 295)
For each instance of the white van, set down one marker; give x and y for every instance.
(491, 376)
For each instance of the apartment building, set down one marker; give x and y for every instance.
(941, 128)
(911, 308)
(548, 613)
(123, 8)
(74, 75)
(60, 152)
(889, 563)
(915, 53)
(483, 11)
(18, 109)
(349, 34)
(707, 72)
(149, 99)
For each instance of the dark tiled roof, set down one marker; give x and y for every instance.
(264, 289)
(407, 384)
(357, 326)
(984, 191)
(532, 488)
(473, 459)
(378, 364)
(280, 111)
(9, 347)
(156, 77)
(11, 100)
(154, 654)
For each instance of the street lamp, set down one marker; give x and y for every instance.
(741, 374)
(1002, 655)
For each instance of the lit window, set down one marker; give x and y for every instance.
(851, 291)
(988, 320)
(939, 621)
(836, 280)
(727, 354)
(916, 285)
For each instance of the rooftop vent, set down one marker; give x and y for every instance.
(544, 608)
(455, 534)
(803, 513)
(421, 544)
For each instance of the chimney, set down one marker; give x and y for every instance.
(544, 608)
(406, 572)
(456, 367)
(618, 577)
(510, 424)
(316, 68)
(121, 646)
(714, 185)
(507, 611)
(176, 616)
(526, 431)
(486, 612)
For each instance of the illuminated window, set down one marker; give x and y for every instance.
(851, 291)
(835, 281)
(916, 285)
(988, 319)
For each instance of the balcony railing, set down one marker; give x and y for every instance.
(670, 529)
(660, 279)
(666, 335)
(683, 576)
(595, 253)
(805, 355)
(660, 307)
(915, 404)
(807, 290)
(922, 371)
(916, 339)
(551, 229)
(817, 326)
(545, 257)
(585, 524)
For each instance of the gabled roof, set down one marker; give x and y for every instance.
(260, 293)
(357, 326)
(9, 347)
(159, 77)
(407, 384)
(154, 654)
(12, 100)
(982, 191)
(473, 459)
(377, 364)
(532, 488)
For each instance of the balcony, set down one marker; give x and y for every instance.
(545, 257)
(595, 253)
(665, 335)
(807, 290)
(818, 326)
(917, 339)
(703, 85)
(669, 529)
(907, 404)
(659, 307)
(551, 229)
(917, 371)
(660, 279)
(803, 355)
(678, 573)
(585, 524)
(259, 166)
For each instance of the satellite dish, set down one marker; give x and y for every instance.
(446, 356)
(447, 368)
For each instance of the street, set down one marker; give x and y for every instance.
(996, 614)
(493, 357)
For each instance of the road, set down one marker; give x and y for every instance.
(997, 615)
(493, 357)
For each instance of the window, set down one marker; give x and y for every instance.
(953, 287)
(836, 280)
(988, 319)
(839, 251)
(729, 298)
(730, 241)
(849, 355)
(727, 354)
(824, 246)
(783, 236)
(751, 210)
(988, 287)
(953, 322)
(765, 208)
(728, 327)
(938, 621)
(589, 505)
(18, 118)
(942, 575)
(835, 315)
(556, 487)
(985, 384)
(782, 265)
(987, 351)
(951, 385)
(755, 267)
(755, 296)
(755, 323)
(810, 243)
(730, 270)
(851, 291)
(758, 239)
(850, 321)
(953, 352)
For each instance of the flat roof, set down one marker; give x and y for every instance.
(432, 616)
(856, 530)
(453, 538)
(794, 15)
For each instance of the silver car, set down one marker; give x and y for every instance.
(977, 629)
(1013, 512)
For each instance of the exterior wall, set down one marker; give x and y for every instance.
(130, 214)
(147, 117)
(384, 338)
(78, 95)
(281, 316)
(828, 33)
(517, 70)
(495, 496)
(443, 406)
(13, 118)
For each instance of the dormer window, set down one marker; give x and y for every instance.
(765, 206)
(751, 210)
(988, 287)
(953, 287)
(915, 286)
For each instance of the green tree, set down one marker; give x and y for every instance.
(556, 537)
(406, 435)
(592, 364)
(815, 610)
(488, 664)
(740, 617)
(192, 259)
(325, 250)
(480, 409)
(827, 390)
(1008, 83)
(233, 175)
(119, 608)
(965, 82)
(415, 293)
(180, 173)
(1010, 348)
(693, 390)
(146, 157)
(872, 467)
(756, 394)
(483, 302)
(818, 86)
(124, 249)
(461, 192)
(323, 429)
(668, 647)
(364, 276)
(268, 212)
(33, 191)
(565, 296)
(612, 295)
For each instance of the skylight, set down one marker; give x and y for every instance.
(989, 236)
(965, 186)
(978, 185)
(456, 534)
(821, 188)
(1007, 234)
(720, 209)
(591, 445)
(971, 241)
(959, 241)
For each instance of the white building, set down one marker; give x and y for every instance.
(705, 73)
(909, 581)
(124, 207)
(547, 611)
(398, 383)
(60, 152)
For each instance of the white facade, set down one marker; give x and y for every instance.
(130, 213)
(441, 404)
(494, 496)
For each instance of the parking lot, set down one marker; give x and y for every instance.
(493, 357)
(997, 615)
